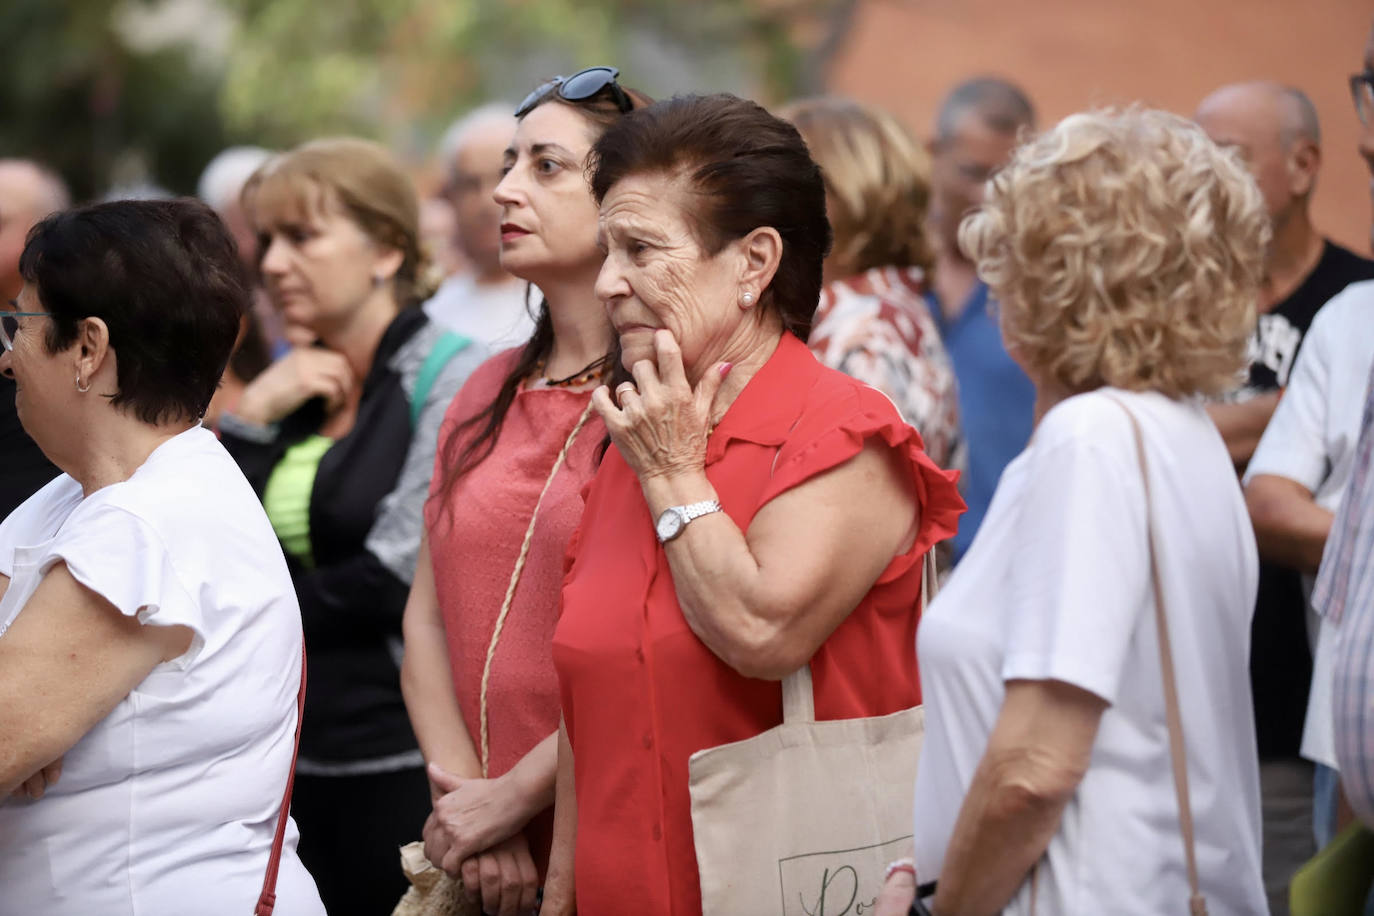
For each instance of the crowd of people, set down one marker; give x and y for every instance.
(337, 519)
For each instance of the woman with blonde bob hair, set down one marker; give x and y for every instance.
(873, 322)
(338, 440)
(1126, 251)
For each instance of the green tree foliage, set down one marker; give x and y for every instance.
(88, 98)
(74, 96)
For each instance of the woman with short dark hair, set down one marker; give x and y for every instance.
(757, 513)
(150, 642)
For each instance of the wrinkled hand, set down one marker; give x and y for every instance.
(897, 895)
(469, 816)
(503, 880)
(39, 782)
(302, 374)
(662, 423)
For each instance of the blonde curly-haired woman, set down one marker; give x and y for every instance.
(1126, 251)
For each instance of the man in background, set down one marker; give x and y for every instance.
(1344, 591)
(264, 335)
(1274, 129)
(482, 302)
(28, 192)
(976, 129)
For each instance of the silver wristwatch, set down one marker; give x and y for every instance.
(674, 519)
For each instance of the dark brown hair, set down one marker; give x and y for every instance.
(748, 169)
(164, 276)
(601, 111)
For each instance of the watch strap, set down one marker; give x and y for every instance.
(697, 510)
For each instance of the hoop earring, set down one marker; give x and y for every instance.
(78, 384)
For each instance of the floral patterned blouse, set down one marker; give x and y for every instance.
(876, 327)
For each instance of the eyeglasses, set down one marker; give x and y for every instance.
(9, 325)
(582, 85)
(1362, 92)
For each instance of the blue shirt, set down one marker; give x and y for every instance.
(996, 404)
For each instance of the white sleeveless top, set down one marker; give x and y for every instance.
(169, 804)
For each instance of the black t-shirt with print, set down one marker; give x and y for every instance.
(1280, 660)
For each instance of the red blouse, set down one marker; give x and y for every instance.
(474, 539)
(641, 692)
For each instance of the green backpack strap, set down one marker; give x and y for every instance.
(445, 348)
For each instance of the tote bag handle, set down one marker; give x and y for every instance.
(798, 691)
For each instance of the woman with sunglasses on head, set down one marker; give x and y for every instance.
(519, 443)
(338, 440)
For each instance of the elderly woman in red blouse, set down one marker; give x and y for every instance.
(757, 512)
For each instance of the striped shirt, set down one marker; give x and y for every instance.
(1344, 593)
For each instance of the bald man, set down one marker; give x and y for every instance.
(28, 192)
(1274, 128)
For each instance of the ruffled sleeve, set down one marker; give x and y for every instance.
(833, 432)
(123, 559)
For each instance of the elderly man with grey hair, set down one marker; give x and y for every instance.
(220, 184)
(978, 125)
(265, 335)
(482, 302)
(28, 192)
(1274, 129)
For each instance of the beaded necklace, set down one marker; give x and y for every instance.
(593, 370)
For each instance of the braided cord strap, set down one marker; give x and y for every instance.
(515, 580)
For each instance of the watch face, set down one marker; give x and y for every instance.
(669, 525)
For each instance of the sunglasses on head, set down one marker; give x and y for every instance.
(582, 85)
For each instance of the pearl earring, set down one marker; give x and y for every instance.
(747, 299)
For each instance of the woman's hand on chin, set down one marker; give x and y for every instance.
(302, 374)
(662, 423)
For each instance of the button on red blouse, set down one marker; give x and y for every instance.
(641, 692)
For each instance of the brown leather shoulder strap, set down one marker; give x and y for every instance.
(1197, 904)
(268, 898)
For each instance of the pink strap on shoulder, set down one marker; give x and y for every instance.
(267, 900)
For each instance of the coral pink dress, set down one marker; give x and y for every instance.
(474, 538)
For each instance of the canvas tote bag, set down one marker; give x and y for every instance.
(803, 818)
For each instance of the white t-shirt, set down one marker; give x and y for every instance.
(1056, 586)
(1311, 440)
(168, 805)
(492, 314)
